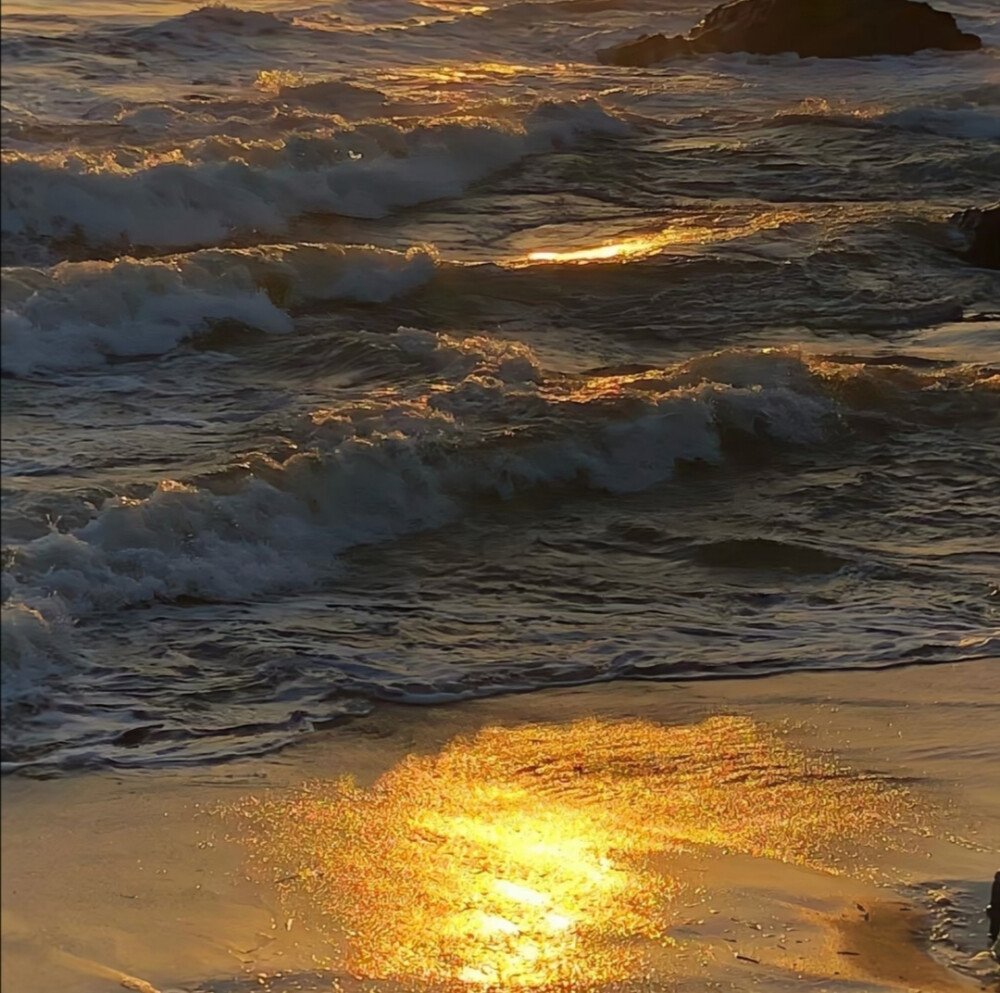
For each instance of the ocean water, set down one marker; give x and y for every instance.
(393, 350)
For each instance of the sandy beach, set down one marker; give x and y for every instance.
(822, 831)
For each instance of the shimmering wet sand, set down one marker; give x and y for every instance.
(519, 858)
(691, 837)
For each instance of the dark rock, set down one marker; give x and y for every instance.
(993, 910)
(646, 51)
(981, 228)
(134, 737)
(827, 29)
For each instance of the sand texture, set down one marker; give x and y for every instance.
(831, 832)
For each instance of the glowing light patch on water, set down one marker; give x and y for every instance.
(630, 248)
(454, 74)
(640, 245)
(519, 858)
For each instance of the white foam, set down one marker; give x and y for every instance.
(31, 646)
(75, 315)
(508, 361)
(380, 467)
(215, 189)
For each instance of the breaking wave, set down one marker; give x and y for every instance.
(77, 315)
(491, 426)
(219, 189)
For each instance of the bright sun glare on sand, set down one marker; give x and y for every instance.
(521, 858)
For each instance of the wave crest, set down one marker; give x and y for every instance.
(488, 425)
(216, 190)
(77, 315)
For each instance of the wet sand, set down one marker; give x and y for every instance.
(822, 831)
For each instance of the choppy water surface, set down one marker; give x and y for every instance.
(394, 350)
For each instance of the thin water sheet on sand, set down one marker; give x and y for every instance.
(836, 830)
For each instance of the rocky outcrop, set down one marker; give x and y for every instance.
(981, 231)
(827, 29)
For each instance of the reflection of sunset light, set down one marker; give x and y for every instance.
(632, 248)
(522, 894)
(441, 74)
(518, 859)
(492, 922)
(640, 245)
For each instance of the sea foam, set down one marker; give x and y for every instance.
(370, 470)
(488, 424)
(215, 190)
(76, 315)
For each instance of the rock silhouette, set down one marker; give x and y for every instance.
(994, 908)
(828, 29)
(982, 230)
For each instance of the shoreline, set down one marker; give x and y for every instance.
(133, 877)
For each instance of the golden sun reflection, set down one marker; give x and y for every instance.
(634, 247)
(443, 74)
(524, 857)
(642, 244)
